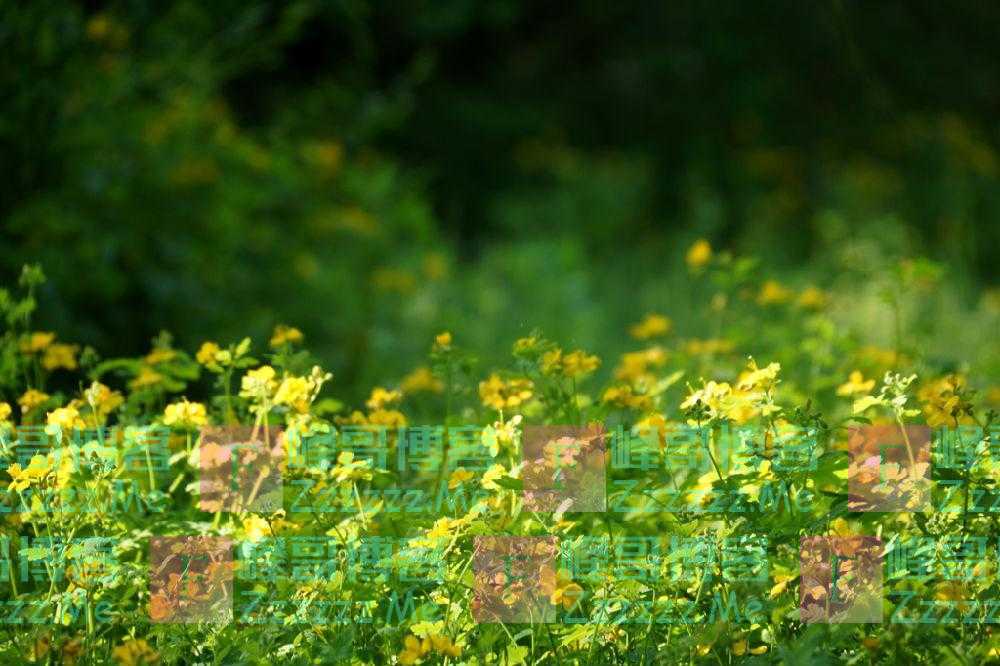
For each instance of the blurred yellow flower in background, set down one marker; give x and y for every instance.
(500, 394)
(160, 355)
(415, 649)
(284, 335)
(135, 652)
(572, 365)
(59, 355)
(773, 292)
(146, 378)
(699, 254)
(36, 342)
(696, 347)
(812, 298)
(31, 399)
(102, 400)
(443, 340)
(943, 401)
(390, 418)
(635, 366)
(421, 380)
(578, 364)
(206, 353)
(381, 397)
(654, 325)
(855, 384)
(624, 396)
(349, 469)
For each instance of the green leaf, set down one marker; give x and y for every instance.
(510, 483)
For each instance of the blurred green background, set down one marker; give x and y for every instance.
(374, 173)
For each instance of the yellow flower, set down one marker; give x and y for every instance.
(443, 340)
(36, 342)
(624, 396)
(754, 378)
(32, 398)
(184, 414)
(525, 345)
(294, 392)
(699, 254)
(381, 397)
(883, 358)
(442, 527)
(284, 335)
(134, 652)
(458, 477)
(855, 383)
(146, 378)
(949, 591)
(782, 581)
(67, 418)
(501, 434)
(256, 528)
(102, 400)
(421, 380)
(944, 403)
(160, 355)
(349, 469)
(206, 353)
(578, 364)
(812, 298)
(65, 470)
(299, 392)
(712, 395)
(551, 361)
(390, 418)
(572, 365)
(566, 592)
(258, 384)
(652, 326)
(500, 394)
(635, 366)
(60, 355)
(413, 650)
(491, 475)
(5, 412)
(37, 468)
(713, 346)
(773, 292)
(443, 645)
(749, 398)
